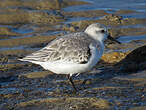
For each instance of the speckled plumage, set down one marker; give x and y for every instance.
(72, 53)
(69, 48)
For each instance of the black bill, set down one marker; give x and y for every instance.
(111, 38)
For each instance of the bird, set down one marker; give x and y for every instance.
(73, 53)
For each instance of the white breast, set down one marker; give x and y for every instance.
(61, 67)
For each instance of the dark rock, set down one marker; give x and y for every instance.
(134, 61)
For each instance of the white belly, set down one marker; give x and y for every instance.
(61, 67)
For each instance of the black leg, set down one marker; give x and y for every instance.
(70, 79)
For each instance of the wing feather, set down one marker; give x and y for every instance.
(70, 48)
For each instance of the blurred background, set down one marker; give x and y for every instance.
(117, 82)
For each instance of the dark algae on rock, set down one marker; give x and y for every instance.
(134, 61)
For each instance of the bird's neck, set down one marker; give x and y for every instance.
(95, 36)
(99, 37)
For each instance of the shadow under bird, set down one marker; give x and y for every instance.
(72, 53)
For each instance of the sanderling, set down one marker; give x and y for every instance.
(72, 53)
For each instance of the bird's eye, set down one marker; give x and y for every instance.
(102, 31)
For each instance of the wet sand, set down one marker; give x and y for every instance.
(118, 81)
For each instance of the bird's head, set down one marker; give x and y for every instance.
(99, 32)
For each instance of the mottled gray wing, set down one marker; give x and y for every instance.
(71, 48)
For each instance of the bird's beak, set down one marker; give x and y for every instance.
(111, 38)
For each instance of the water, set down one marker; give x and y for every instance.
(111, 5)
(128, 39)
